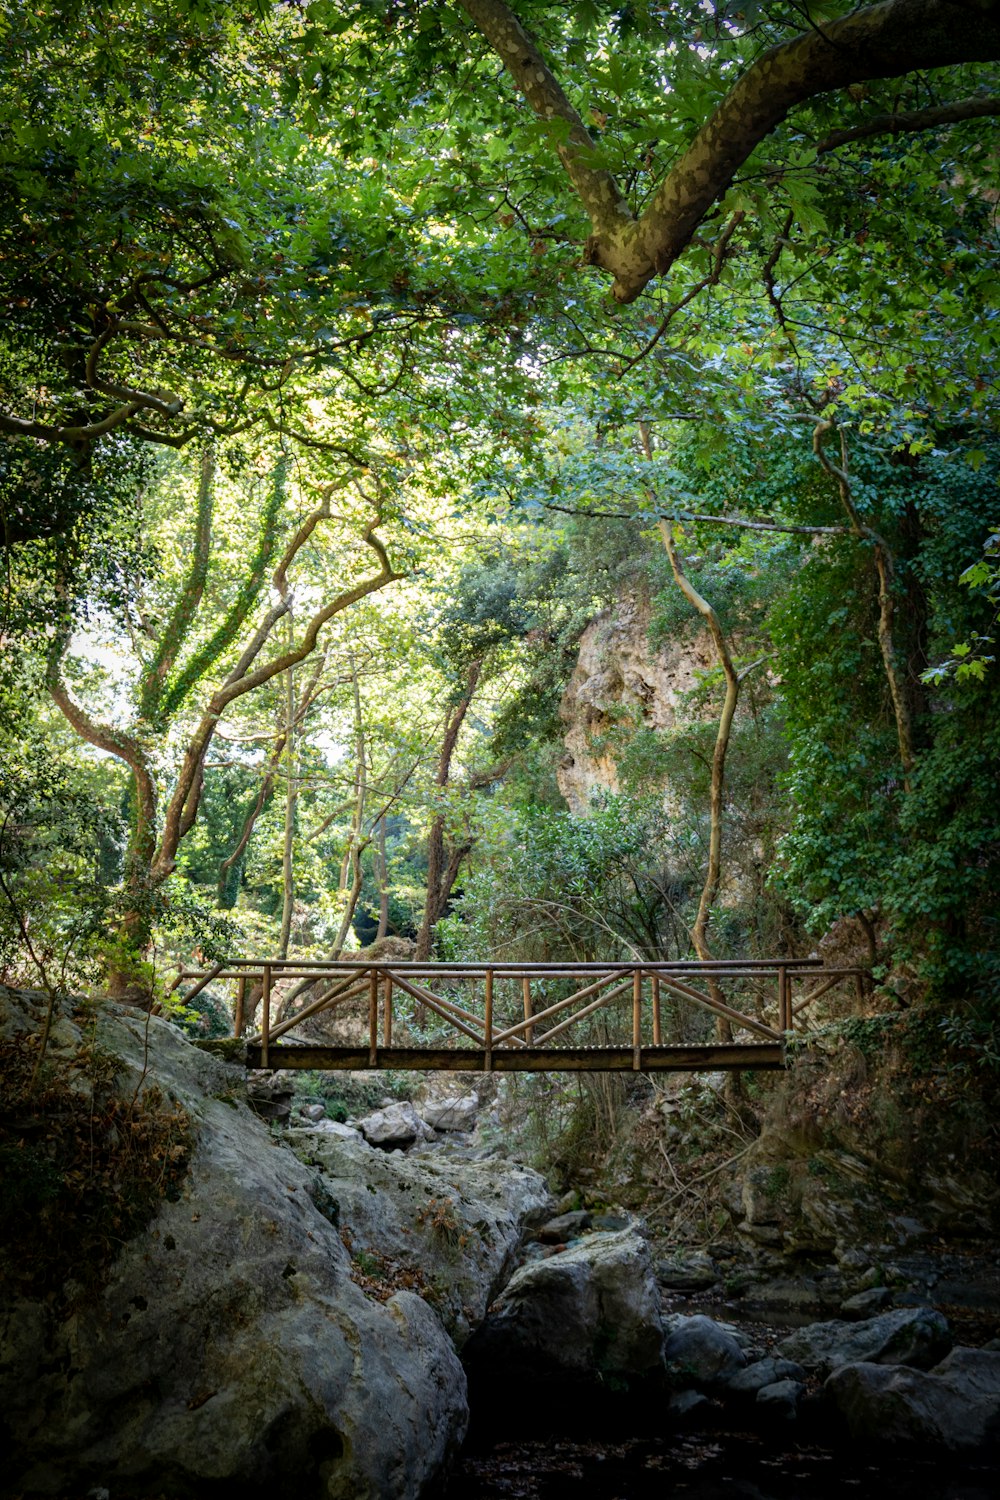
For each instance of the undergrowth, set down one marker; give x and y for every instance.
(83, 1164)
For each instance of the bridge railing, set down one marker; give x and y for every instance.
(515, 1015)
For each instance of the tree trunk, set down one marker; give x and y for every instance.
(442, 868)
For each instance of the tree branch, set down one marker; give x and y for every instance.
(976, 107)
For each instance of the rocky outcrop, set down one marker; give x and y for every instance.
(452, 1225)
(239, 1341)
(590, 1313)
(955, 1406)
(618, 671)
(906, 1336)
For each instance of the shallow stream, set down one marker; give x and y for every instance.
(734, 1465)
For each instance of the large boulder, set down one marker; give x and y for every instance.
(452, 1227)
(588, 1313)
(230, 1343)
(454, 1112)
(955, 1406)
(698, 1352)
(395, 1125)
(905, 1336)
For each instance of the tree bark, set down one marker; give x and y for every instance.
(442, 867)
(872, 42)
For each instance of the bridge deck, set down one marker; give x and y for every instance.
(699, 1059)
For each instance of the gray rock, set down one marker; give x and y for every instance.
(458, 1113)
(270, 1095)
(395, 1125)
(683, 1403)
(564, 1227)
(453, 1226)
(230, 1346)
(701, 1353)
(312, 1111)
(955, 1406)
(864, 1304)
(591, 1311)
(905, 1336)
(687, 1273)
(764, 1372)
(781, 1399)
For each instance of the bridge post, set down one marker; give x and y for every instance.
(529, 1031)
(636, 1020)
(240, 1017)
(265, 1018)
(785, 1022)
(387, 1013)
(372, 1018)
(488, 1023)
(657, 1022)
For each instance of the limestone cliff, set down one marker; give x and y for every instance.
(618, 673)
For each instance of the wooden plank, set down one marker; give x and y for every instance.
(431, 1001)
(329, 998)
(657, 1018)
(387, 1012)
(579, 1015)
(718, 1009)
(710, 1059)
(207, 976)
(488, 1023)
(552, 1010)
(372, 1019)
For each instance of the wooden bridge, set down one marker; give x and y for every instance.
(517, 1017)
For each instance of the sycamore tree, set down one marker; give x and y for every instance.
(242, 596)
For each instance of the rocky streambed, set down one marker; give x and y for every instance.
(318, 1306)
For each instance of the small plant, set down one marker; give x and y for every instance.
(84, 1163)
(440, 1217)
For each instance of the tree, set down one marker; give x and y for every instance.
(223, 661)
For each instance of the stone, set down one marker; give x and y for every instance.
(864, 1304)
(454, 1227)
(684, 1403)
(699, 1352)
(904, 1336)
(394, 1125)
(312, 1111)
(781, 1399)
(695, 1272)
(229, 1348)
(457, 1113)
(270, 1095)
(955, 1406)
(763, 1372)
(564, 1227)
(589, 1313)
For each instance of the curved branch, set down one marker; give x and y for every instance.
(976, 107)
(605, 203)
(885, 40)
(115, 742)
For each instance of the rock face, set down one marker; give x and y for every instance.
(954, 1406)
(617, 669)
(907, 1336)
(231, 1343)
(453, 1225)
(592, 1310)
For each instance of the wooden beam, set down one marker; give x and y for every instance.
(707, 1059)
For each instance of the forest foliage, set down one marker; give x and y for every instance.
(352, 356)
